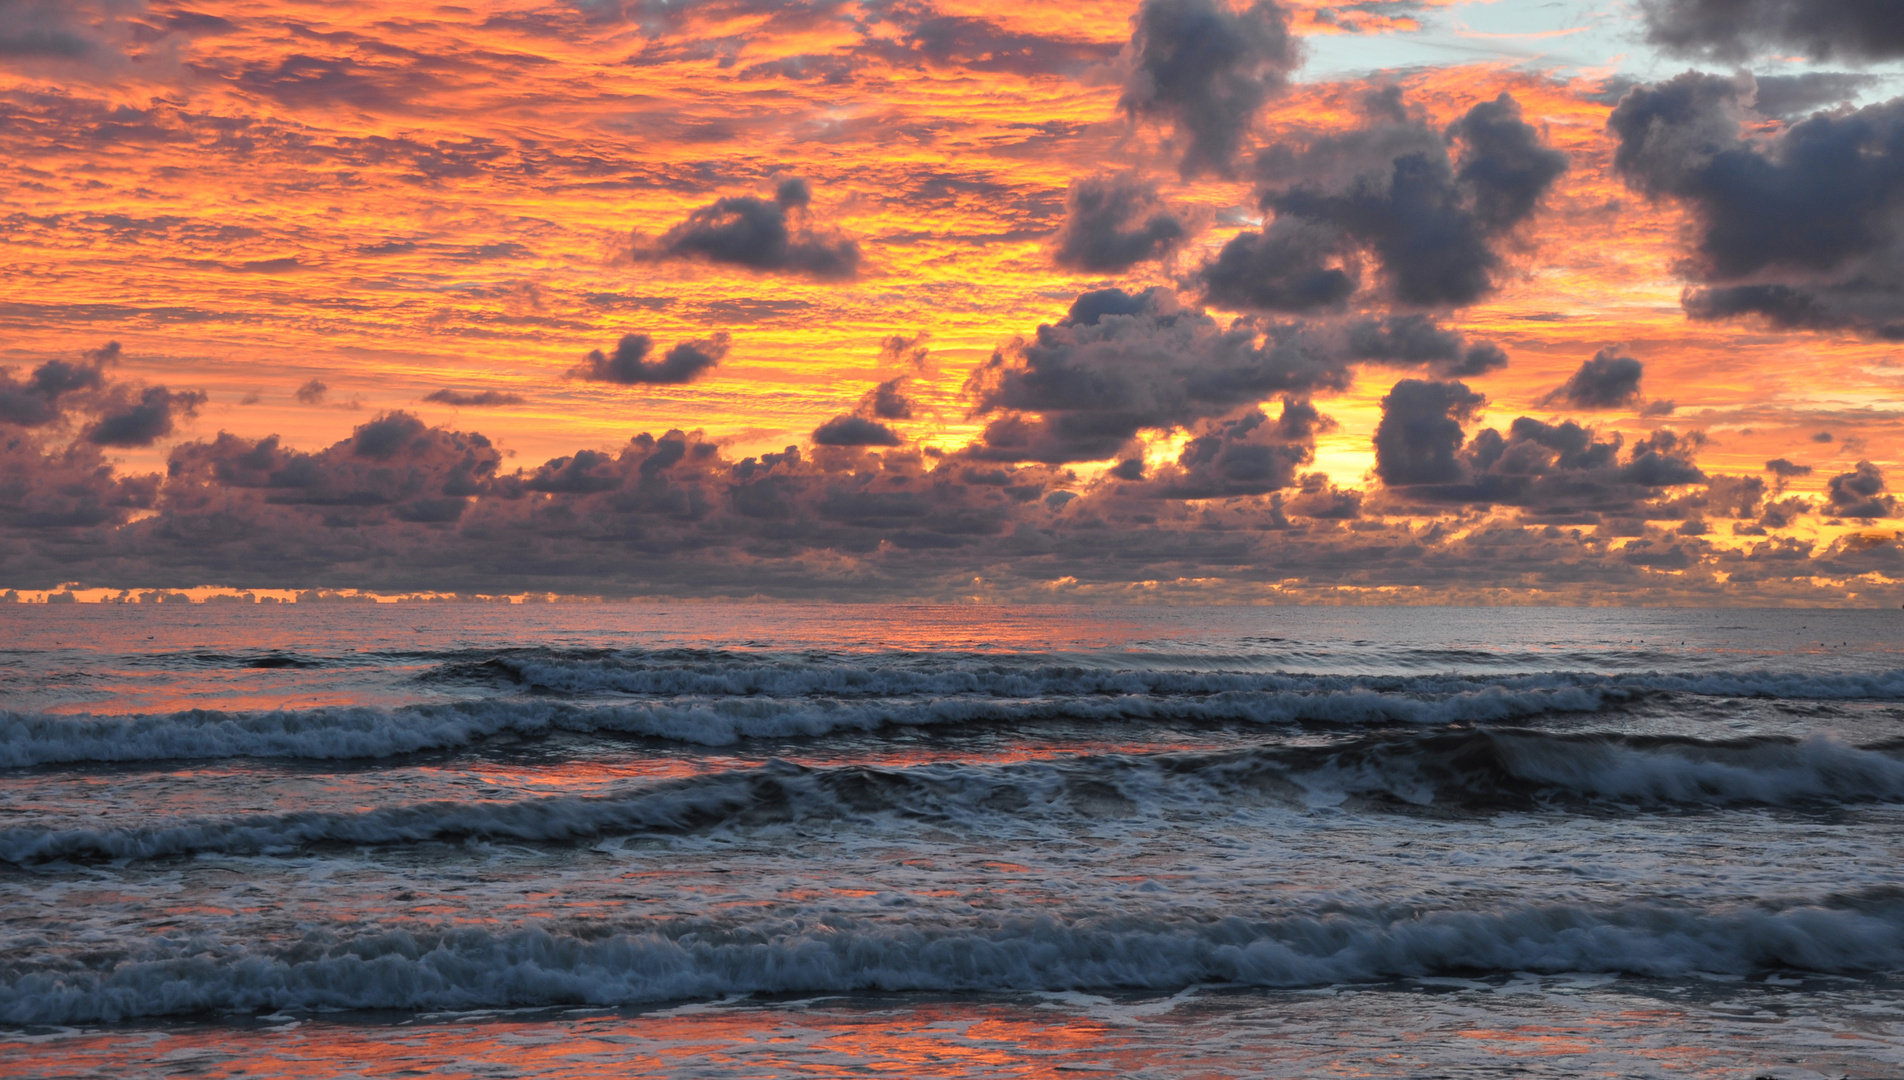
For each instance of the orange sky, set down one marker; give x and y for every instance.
(394, 199)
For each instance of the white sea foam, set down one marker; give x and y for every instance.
(475, 968)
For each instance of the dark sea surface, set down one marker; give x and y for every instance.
(748, 840)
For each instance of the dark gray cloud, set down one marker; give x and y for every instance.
(851, 430)
(1120, 363)
(1207, 69)
(1785, 469)
(1113, 223)
(1607, 381)
(145, 420)
(312, 393)
(629, 365)
(889, 400)
(1250, 455)
(1800, 227)
(1291, 265)
(35, 400)
(1562, 473)
(1420, 433)
(1861, 493)
(1791, 95)
(1738, 30)
(768, 236)
(481, 399)
(1392, 190)
(1408, 340)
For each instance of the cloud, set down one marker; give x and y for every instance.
(1790, 95)
(628, 365)
(1103, 232)
(1861, 493)
(1207, 69)
(1800, 226)
(482, 399)
(35, 400)
(1388, 189)
(766, 236)
(1119, 363)
(1407, 340)
(401, 506)
(855, 431)
(1607, 381)
(1785, 469)
(1738, 30)
(144, 421)
(312, 393)
(1250, 455)
(1420, 431)
(1291, 265)
(889, 400)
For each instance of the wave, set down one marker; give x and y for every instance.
(360, 732)
(682, 672)
(697, 960)
(1480, 771)
(720, 708)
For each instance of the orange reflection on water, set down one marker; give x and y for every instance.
(1378, 1034)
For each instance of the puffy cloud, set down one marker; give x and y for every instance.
(35, 400)
(629, 365)
(1251, 455)
(851, 430)
(392, 466)
(1785, 469)
(1389, 189)
(1103, 232)
(1607, 381)
(1207, 69)
(146, 420)
(1737, 30)
(1408, 340)
(889, 400)
(1119, 363)
(768, 236)
(1555, 472)
(66, 489)
(1861, 493)
(312, 393)
(1800, 227)
(1420, 433)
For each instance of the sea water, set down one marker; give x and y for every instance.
(812, 840)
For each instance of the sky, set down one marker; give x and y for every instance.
(1397, 301)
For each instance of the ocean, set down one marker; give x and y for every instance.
(767, 840)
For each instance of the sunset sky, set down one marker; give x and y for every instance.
(1082, 300)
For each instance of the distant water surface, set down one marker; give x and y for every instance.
(777, 840)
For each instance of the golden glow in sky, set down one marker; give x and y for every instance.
(299, 218)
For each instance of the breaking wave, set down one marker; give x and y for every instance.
(1478, 771)
(697, 959)
(720, 708)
